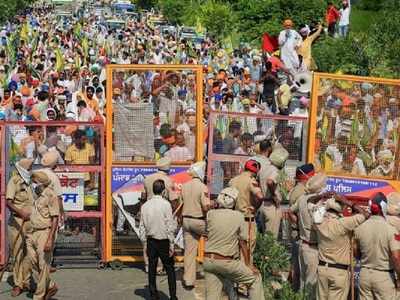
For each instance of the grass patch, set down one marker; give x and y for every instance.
(361, 20)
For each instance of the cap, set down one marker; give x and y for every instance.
(41, 177)
(279, 156)
(288, 23)
(366, 86)
(378, 204)
(227, 198)
(305, 172)
(332, 204)
(50, 159)
(252, 166)
(385, 155)
(164, 164)
(198, 169)
(393, 201)
(316, 183)
(25, 163)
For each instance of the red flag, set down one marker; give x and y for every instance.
(269, 43)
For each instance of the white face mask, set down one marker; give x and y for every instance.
(318, 214)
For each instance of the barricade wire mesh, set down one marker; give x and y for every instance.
(357, 130)
(154, 115)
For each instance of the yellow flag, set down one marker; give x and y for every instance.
(59, 60)
(228, 45)
(24, 34)
(199, 26)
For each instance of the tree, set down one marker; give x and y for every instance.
(145, 4)
(174, 10)
(8, 8)
(256, 17)
(217, 17)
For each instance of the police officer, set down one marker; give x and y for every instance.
(20, 202)
(308, 251)
(263, 150)
(303, 174)
(334, 248)
(163, 166)
(393, 210)
(249, 199)
(227, 237)
(195, 206)
(271, 185)
(40, 243)
(377, 244)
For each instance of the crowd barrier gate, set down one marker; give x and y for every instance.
(354, 133)
(81, 241)
(131, 100)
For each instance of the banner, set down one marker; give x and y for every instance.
(358, 187)
(73, 190)
(130, 179)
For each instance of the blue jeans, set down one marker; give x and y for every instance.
(343, 30)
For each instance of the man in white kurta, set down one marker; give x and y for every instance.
(289, 41)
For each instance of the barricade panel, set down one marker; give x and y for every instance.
(356, 130)
(234, 137)
(154, 114)
(154, 111)
(3, 243)
(79, 159)
(354, 133)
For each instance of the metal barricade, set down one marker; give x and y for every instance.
(151, 109)
(3, 243)
(234, 136)
(354, 133)
(80, 168)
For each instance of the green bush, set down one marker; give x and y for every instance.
(272, 258)
(341, 55)
(269, 256)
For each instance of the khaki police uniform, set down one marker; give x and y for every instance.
(393, 210)
(334, 253)
(248, 187)
(298, 191)
(195, 203)
(170, 195)
(308, 252)
(270, 210)
(20, 195)
(394, 221)
(294, 195)
(45, 207)
(376, 240)
(225, 228)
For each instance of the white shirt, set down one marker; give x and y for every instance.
(156, 220)
(179, 153)
(345, 16)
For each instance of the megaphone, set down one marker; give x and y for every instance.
(303, 82)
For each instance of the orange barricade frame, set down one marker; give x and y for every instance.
(3, 243)
(386, 185)
(100, 214)
(241, 159)
(110, 164)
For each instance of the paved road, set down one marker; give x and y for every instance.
(91, 284)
